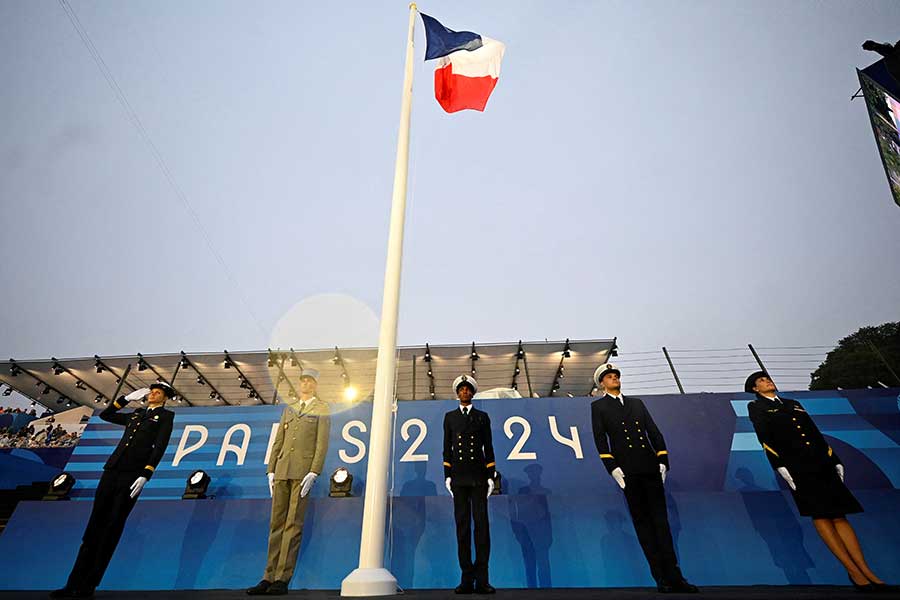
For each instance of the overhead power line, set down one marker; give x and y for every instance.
(154, 150)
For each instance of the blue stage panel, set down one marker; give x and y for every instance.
(561, 521)
(537, 541)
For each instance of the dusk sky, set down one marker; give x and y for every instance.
(688, 174)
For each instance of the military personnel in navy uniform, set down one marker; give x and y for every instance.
(634, 452)
(469, 469)
(129, 467)
(799, 453)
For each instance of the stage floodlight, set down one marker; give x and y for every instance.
(57, 369)
(196, 486)
(497, 484)
(60, 487)
(341, 483)
(142, 365)
(350, 393)
(8, 392)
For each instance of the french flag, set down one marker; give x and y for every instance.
(468, 67)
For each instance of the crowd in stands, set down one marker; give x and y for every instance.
(5, 410)
(48, 436)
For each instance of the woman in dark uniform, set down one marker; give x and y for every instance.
(799, 453)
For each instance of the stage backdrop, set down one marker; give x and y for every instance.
(561, 521)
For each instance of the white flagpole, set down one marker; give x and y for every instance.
(371, 578)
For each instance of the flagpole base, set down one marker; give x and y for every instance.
(369, 582)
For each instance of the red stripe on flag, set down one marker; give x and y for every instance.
(455, 92)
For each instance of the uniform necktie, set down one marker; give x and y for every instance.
(466, 411)
(302, 407)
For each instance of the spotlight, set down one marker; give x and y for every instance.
(336, 359)
(228, 363)
(344, 376)
(213, 395)
(520, 354)
(57, 369)
(46, 390)
(80, 385)
(60, 487)
(142, 365)
(185, 363)
(518, 371)
(427, 353)
(270, 363)
(473, 370)
(430, 373)
(341, 482)
(252, 394)
(14, 370)
(567, 351)
(350, 393)
(98, 365)
(200, 380)
(98, 398)
(196, 486)
(8, 392)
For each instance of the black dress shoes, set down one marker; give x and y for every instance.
(464, 588)
(868, 588)
(686, 587)
(485, 588)
(69, 593)
(278, 588)
(260, 588)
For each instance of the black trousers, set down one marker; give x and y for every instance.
(112, 505)
(647, 504)
(470, 504)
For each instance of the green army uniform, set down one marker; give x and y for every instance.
(299, 448)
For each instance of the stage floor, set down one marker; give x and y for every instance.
(759, 592)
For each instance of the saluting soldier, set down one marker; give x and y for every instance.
(469, 469)
(126, 472)
(798, 452)
(634, 452)
(296, 460)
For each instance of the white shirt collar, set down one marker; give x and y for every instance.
(468, 406)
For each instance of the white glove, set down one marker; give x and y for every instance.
(619, 476)
(447, 485)
(307, 483)
(787, 477)
(490, 487)
(137, 394)
(840, 471)
(137, 486)
(271, 477)
(662, 471)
